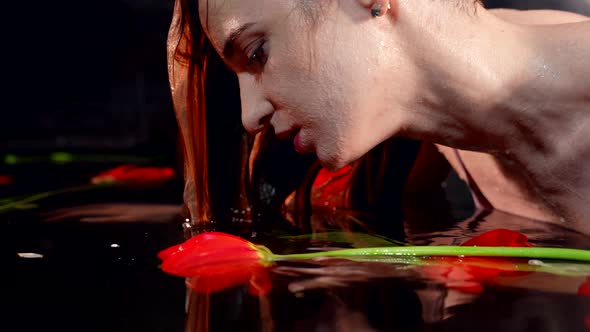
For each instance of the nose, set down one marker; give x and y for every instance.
(256, 108)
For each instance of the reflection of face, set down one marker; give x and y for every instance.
(319, 78)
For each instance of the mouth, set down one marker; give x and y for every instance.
(288, 134)
(298, 144)
(294, 134)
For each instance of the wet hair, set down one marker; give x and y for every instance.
(231, 175)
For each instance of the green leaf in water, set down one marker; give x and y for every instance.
(61, 157)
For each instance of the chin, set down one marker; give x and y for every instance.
(333, 162)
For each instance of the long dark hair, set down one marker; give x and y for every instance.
(229, 172)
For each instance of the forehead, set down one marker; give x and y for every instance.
(220, 17)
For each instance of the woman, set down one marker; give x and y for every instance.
(340, 78)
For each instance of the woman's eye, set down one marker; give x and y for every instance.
(258, 56)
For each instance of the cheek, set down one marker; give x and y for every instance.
(321, 82)
(294, 87)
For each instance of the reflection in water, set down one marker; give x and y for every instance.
(342, 295)
(116, 213)
(390, 302)
(331, 295)
(540, 233)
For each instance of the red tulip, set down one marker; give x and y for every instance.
(217, 261)
(5, 179)
(134, 175)
(467, 274)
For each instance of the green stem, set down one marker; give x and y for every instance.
(410, 251)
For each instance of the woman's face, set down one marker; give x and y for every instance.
(314, 70)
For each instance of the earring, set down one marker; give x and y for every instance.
(377, 9)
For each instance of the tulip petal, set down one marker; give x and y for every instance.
(164, 254)
(216, 261)
(499, 238)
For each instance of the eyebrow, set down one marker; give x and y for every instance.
(229, 46)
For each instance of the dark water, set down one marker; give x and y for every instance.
(92, 276)
(341, 295)
(97, 276)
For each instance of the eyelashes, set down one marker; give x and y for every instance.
(258, 56)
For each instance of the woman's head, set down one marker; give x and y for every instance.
(325, 73)
(315, 68)
(320, 68)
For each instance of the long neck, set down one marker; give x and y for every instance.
(466, 58)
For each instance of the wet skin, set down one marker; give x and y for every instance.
(341, 81)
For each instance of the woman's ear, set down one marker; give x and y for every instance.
(377, 8)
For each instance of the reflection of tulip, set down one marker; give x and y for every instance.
(467, 274)
(134, 175)
(129, 175)
(329, 188)
(499, 237)
(216, 261)
(585, 288)
(4, 179)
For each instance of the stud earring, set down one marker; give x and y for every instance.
(377, 9)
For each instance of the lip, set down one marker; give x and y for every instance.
(293, 133)
(287, 134)
(298, 144)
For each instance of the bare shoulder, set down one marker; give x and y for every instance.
(536, 17)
